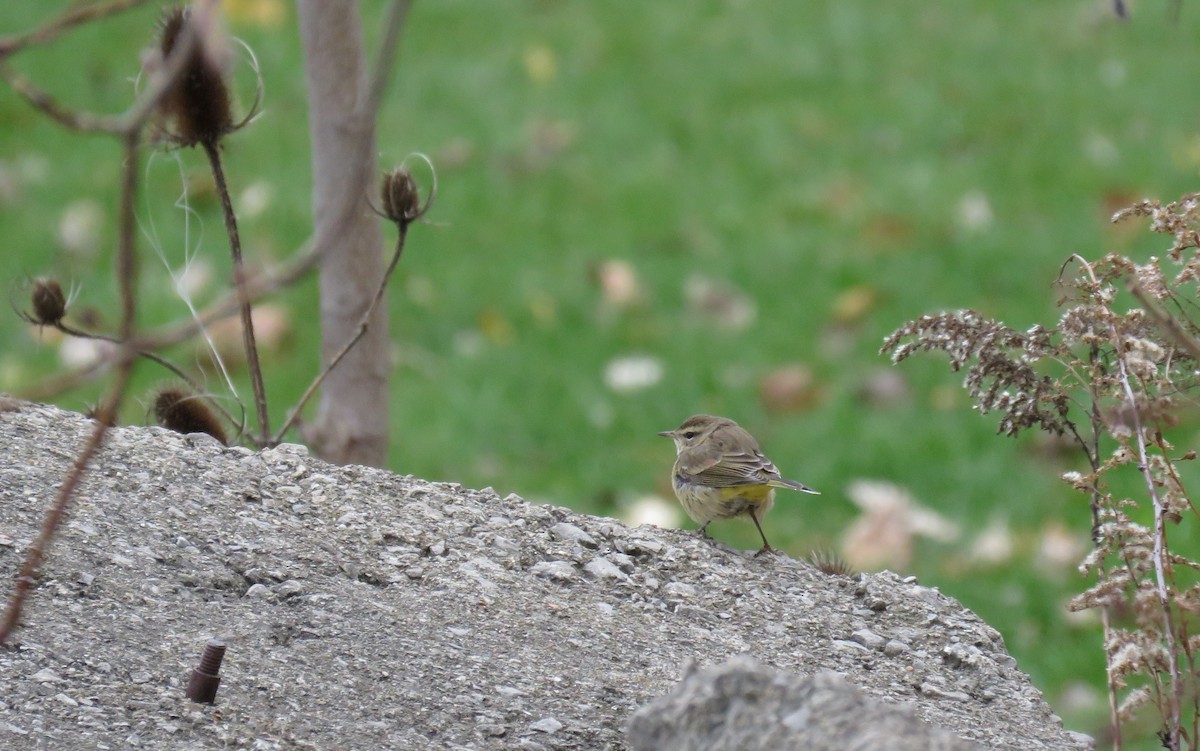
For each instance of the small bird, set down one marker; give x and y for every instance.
(720, 472)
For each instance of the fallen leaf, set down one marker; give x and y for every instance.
(852, 305)
(81, 228)
(541, 65)
(625, 375)
(790, 388)
(882, 535)
(994, 544)
(718, 302)
(272, 325)
(885, 387)
(618, 282)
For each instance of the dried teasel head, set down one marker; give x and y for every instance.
(401, 199)
(197, 106)
(178, 409)
(48, 302)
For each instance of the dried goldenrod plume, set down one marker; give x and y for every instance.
(197, 107)
(179, 410)
(1120, 382)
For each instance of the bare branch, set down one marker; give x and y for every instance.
(385, 59)
(67, 20)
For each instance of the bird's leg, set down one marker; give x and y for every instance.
(704, 531)
(766, 545)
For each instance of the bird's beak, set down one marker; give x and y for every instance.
(667, 434)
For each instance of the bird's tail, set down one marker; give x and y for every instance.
(793, 485)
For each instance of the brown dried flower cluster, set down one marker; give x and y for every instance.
(1116, 375)
(1000, 363)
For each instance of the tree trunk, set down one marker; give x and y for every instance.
(351, 426)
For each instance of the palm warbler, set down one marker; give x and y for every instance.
(720, 472)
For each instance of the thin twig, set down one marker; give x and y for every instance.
(212, 149)
(153, 357)
(126, 279)
(66, 20)
(1171, 720)
(1114, 715)
(38, 549)
(363, 324)
(134, 117)
(303, 261)
(393, 26)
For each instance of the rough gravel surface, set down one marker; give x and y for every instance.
(743, 705)
(365, 610)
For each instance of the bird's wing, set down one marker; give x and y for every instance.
(731, 470)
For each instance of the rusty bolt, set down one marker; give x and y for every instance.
(202, 687)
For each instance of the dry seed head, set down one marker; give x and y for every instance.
(830, 563)
(401, 199)
(49, 302)
(177, 409)
(197, 104)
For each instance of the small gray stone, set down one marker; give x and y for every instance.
(546, 725)
(893, 648)
(289, 588)
(935, 691)
(622, 561)
(868, 638)
(679, 590)
(639, 546)
(962, 655)
(258, 591)
(602, 568)
(560, 571)
(570, 533)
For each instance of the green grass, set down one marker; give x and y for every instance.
(797, 151)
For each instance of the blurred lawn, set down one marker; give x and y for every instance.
(827, 170)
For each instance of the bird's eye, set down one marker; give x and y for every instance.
(690, 434)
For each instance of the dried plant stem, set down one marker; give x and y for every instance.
(153, 357)
(362, 330)
(1171, 718)
(66, 20)
(384, 59)
(1174, 698)
(212, 149)
(41, 544)
(126, 270)
(1168, 322)
(1114, 716)
(304, 260)
(134, 117)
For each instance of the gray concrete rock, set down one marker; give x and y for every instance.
(365, 610)
(743, 705)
